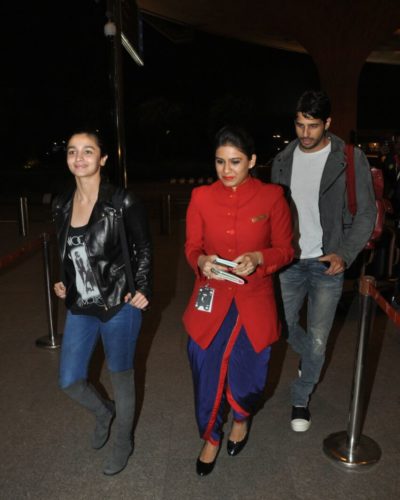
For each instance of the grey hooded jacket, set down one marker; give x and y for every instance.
(342, 234)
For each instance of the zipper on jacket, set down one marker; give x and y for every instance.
(68, 224)
(103, 215)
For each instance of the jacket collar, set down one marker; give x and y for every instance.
(63, 210)
(244, 189)
(334, 166)
(337, 146)
(64, 201)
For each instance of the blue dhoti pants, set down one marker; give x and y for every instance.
(228, 370)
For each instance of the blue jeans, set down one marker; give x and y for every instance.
(306, 276)
(81, 334)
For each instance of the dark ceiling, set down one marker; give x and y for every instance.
(280, 24)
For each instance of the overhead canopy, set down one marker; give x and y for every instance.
(339, 35)
(282, 24)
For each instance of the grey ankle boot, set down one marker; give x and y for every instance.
(124, 394)
(104, 410)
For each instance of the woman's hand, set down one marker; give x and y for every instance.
(247, 263)
(138, 300)
(60, 290)
(206, 262)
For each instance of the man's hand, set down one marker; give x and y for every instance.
(336, 263)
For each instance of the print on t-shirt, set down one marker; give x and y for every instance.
(85, 281)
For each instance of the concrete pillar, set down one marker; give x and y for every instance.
(340, 80)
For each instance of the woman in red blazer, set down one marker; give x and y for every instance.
(231, 325)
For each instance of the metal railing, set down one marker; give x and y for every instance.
(51, 340)
(351, 449)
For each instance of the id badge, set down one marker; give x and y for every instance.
(205, 299)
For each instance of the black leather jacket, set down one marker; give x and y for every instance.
(102, 242)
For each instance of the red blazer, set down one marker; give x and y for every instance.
(229, 223)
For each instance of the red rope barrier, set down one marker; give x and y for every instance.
(29, 247)
(367, 288)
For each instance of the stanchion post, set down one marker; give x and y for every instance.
(166, 213)
(23, 218)
(52, 340)
(350, 449)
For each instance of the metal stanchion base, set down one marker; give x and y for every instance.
(47, 343)
(366, 454)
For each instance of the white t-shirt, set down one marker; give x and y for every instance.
(306, 179)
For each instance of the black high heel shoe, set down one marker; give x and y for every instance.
(204, 468)
(235, 447)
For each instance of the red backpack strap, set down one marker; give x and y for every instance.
(350, 179)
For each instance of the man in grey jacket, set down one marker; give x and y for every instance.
(327, 238)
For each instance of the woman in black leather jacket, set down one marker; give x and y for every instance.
(97, 293)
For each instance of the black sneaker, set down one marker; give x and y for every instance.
(301, 419)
